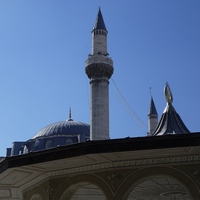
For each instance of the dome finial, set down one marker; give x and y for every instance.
(70, 115)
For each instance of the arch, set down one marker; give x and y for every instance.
(36, 193)
(68, 141)
(139, 177)
(37, 145)
(84, 190)
(48, 144)
(75, 186)
(159, 187)
(36, 197)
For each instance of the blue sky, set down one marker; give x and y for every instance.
(44, 45)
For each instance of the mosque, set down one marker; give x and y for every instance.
(72, 160)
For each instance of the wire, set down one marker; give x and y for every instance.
(134, 116)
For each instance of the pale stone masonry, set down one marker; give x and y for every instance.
(99, 68)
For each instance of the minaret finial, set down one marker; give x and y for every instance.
(70, 115)
(150, 92)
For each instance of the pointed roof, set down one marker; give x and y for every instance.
(152, 110)
(99, 23)
(170, 122)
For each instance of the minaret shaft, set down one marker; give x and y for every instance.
(99, 109)
(99, 42)
(152, 123)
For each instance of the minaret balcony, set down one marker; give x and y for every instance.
(99, 58)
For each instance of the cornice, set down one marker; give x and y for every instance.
(114, 165)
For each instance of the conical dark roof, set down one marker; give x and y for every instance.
(99, 23)
(170, 122)
(152, 110)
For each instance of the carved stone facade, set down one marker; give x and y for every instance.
(124, 169)
(169, 181)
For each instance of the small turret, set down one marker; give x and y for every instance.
(152, 118)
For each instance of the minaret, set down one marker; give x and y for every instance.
(99, 69)
(152, 118)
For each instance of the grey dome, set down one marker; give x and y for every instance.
(64, 128)
(58, 134)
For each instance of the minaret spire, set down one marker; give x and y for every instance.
(152, 117)
(99, 69)
(99, 23)
(99, 36)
